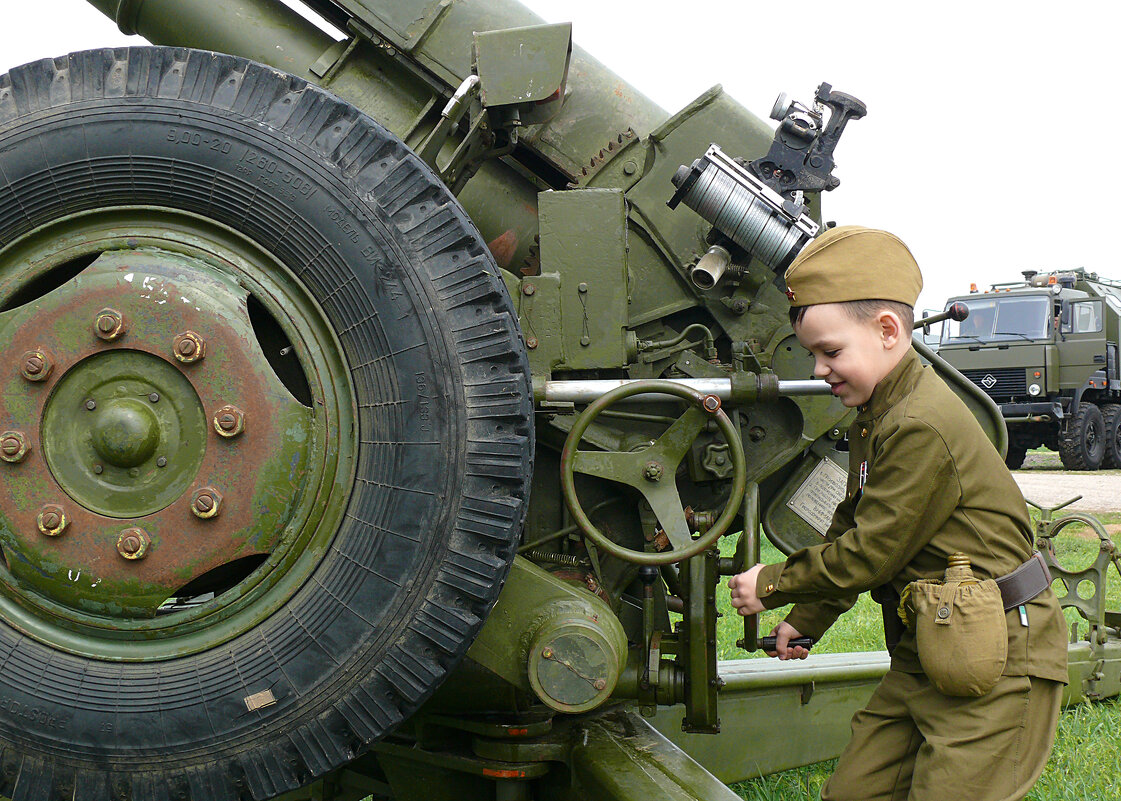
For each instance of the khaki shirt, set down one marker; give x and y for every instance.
(933, 485)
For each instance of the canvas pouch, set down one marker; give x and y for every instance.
(961, 634)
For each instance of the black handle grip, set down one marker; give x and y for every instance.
(768, 643)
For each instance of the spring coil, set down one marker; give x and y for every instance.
(538, 555)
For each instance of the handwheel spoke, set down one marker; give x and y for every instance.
(676, 441)
(625, 468)
(666, 504)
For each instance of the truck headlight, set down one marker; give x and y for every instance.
(1034, 389)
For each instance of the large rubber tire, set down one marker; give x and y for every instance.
(1015, 456)
(1082, 441)
(1111, 423)
(444, 404)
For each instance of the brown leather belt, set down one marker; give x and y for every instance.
(1025, 582)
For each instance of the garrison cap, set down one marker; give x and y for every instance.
(851, 262)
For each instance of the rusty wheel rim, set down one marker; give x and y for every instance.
(181, 455)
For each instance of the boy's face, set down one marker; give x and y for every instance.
(852, 355)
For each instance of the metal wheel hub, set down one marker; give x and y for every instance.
(161, 445)
(124, 433)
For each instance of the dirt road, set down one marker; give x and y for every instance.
(1045, 482)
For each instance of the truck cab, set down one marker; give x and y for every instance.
(1045, 350)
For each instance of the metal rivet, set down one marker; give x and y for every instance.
(154, 397)
(188, 347)
(133, 543)
(206, 503)
(582, 288)
(630, 168)
(13, 447)
(531, 343)
(36, 365)
(547, 653)
(91, 404)
(110, 324)
(161, 462)
(601, 684)
(229, 421)
(52, 520)
(528, 289)
(98, 469)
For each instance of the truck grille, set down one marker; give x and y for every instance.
(1005, 383)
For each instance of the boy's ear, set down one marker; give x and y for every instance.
(890, 328)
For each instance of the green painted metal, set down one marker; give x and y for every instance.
(520, 66)
(811, 702)
(172, 272)
(571, 655)
(574, 313)
(625, 759)
(566, 171)
(108, 457)
(652, 470)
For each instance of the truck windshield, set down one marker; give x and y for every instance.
(999, 319)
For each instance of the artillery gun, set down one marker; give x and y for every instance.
(373, 416)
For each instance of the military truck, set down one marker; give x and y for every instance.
(1045, 350)
(375, 405)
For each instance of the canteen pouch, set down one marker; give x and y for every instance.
(961, 634)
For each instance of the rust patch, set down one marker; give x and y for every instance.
(503, 247)
(181, 544)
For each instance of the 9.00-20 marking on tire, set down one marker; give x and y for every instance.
(196, 139)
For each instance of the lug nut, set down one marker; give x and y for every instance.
(36, 365)
(206, 503)
(133, 543)
(52, 520)
(13, 447)
(188, 347)
(229, 421)
(110, 325)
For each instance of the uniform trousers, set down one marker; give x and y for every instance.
(911, 743)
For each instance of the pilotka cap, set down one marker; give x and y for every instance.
(851, 262)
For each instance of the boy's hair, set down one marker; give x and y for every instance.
(863, 310)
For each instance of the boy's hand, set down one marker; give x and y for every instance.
(783, 634)
(744, 598)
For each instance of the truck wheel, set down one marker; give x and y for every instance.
(1111, 425)
(1082, 441)
(1015, 456)
(267, 429)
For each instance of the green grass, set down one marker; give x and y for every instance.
(1087, 752)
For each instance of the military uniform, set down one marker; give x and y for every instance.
(925, 483)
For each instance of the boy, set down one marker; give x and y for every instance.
(924, 483)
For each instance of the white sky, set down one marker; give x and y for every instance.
(990, 123)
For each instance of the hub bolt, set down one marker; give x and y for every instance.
(189, 347)
(229, 421)
(52, 520)
(110, 325)
(206, 503)
(36, 365)
(652, 471)
(13, 447)
(133, 543)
